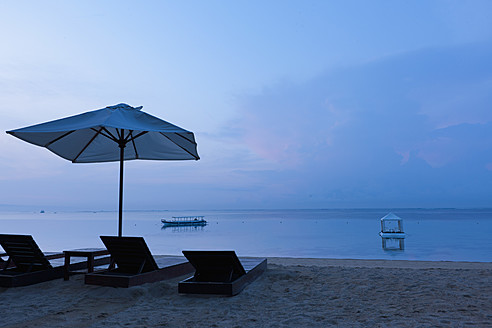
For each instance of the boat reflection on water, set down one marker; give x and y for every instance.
(184, 228)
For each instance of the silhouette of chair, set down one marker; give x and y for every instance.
(27, 264)
(132, 264)
(220, 272)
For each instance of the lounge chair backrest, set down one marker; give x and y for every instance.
(130, 254)
(215, 266)
(24, 253)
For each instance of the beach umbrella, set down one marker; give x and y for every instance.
(114, 133)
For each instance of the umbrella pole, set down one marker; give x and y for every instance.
(120, 218)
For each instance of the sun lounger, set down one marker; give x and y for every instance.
(220, 272)
(132, 264)
(26, 264)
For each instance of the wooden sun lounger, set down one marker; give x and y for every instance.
(133, 264)
(220, 272)
(26, 264)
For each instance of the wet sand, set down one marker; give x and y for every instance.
(292, 293)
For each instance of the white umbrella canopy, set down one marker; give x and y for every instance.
(95, 136)
(114, 133)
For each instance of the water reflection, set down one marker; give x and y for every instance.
(183, 228)
(393, 244)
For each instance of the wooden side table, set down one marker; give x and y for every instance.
(89, 253)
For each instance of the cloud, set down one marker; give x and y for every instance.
(413, 129)
(408, 126)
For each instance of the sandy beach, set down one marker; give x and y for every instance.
(292, 293)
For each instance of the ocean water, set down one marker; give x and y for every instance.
(431, 234)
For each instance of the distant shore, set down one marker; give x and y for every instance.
(294, 292)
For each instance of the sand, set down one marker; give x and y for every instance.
(292, 293)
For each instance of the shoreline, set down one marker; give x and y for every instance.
(369, 263)
(379, 263)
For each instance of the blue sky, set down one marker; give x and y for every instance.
(294, 104)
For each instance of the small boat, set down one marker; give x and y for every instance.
(184, 221)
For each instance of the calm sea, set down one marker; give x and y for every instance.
(432, 234)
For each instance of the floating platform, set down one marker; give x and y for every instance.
(396, 235)
(392, 235)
